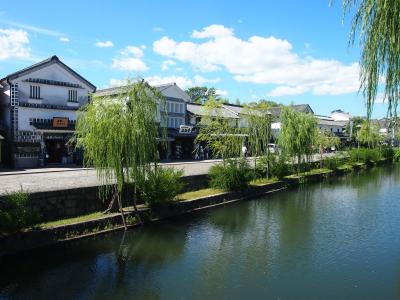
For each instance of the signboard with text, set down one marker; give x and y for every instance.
(185, 129)
(60, 122)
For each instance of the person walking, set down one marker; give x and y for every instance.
(244, 150)
(206, 151)
(201, 152)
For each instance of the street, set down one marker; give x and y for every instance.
(53, 179)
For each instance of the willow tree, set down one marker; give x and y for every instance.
(325, 139)
(297, 136)
(258, 127)
(119, 136)
(219, 131)
(368, 135)
(378, 24)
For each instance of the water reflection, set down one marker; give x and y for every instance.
(336, 239)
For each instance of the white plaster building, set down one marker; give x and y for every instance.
(39, 106)
(340, 115)
(180, 137)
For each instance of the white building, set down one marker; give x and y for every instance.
(180, 135)
(39, 106)
(340, 115)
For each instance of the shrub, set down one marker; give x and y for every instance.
(365, 155)
(396, 156)
(332, 163)
(161, 186)
(279, 167)
(235, 175)
(16, 212)
(387, 152)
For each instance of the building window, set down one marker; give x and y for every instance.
(72, 95)
(34, 92)
(89, 98)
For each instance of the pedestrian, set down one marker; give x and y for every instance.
(244, 150)
(196, 152)
(201, 153)
(206, 151)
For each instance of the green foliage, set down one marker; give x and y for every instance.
(377, 22)
(298, 135)
(332, 163)
(218, 132)
(235, 175)
(396, 156)
(162, 185)
(200, 94)
(119, 134)
(365, 155)
(275, 166)
(387, 152)
(16, 212)
(356, 121)
(368, 135)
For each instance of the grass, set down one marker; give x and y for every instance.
(262, 181)
(198, 194)
(311, 172)
(69, 221)
(345, 168)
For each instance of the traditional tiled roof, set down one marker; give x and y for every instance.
(304, 108)
(48, 61)
(200, 110)
(116, 90)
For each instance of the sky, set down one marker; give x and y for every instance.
(285, 51)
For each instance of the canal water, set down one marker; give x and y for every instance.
(332, 240)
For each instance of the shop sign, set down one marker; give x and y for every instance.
(60, 122)
(185, 129)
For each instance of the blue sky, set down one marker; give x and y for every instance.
(286, 51)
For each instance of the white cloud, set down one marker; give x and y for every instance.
(213, 31)
(223, 93)
(64, 39)
(261, 60)
(118, 82)
(200, 80)
(181, 81)
(158, 29)
(35, 29)
(105, 44)
(166, 64)
(380, 98)
(14, 44)
(287, 90)
(130, 60)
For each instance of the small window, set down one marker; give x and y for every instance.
(34, 92)
(72, 95)
(89, 98)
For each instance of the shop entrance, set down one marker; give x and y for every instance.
(55, 150)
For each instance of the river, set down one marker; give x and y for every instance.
(338, 239)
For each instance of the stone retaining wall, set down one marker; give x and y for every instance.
(55, 205)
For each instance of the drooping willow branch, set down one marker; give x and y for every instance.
(378, 25)
(119, 136)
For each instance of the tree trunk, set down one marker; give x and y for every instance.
(110, 206)
(135, 206)
(121, 211)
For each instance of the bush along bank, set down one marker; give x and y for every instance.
(221, 193)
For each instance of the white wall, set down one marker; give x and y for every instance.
(52, 94)
(25, 113)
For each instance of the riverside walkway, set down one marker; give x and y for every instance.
(55, 179)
